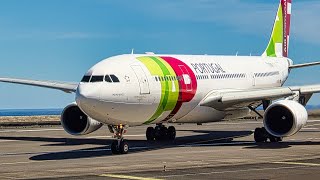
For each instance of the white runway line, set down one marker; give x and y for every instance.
(245, 122)
(136, 135)
(310, 128)
(311, 125)
(29, 130)
(313, 121)
(5, 141)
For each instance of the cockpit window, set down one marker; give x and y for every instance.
(85, 78)
(96, 79)
(107, 78)
(114, 78)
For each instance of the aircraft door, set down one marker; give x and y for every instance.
(253, 79)
(142, 78)
(186, 77)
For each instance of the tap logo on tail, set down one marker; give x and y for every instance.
(279, 42)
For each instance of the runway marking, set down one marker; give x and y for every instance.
(234, 171)
(132, 135)
(313, 121)
(313, 138)
(127, 177)
(311, 125)
(13, 163)
(296, 163)
(245, 122)
(4, 141)
(30, 130)
(307, 128)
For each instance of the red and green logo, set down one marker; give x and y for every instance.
(178, 84)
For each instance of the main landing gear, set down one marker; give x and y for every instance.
(160, 132)
(261, 135)
(119, 146)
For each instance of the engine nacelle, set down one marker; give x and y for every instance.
(285, 118)
(75, 122)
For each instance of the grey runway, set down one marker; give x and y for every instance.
(212, 151)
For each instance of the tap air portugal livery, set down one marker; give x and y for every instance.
(144, 89)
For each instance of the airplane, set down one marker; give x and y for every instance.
(143, 89)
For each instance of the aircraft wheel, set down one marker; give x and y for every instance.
(150, 134)
(114, 147)
(260, 135)
(162, 133)
(171, 133)
(124, 147)
(275, 139)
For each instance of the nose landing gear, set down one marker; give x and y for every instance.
(160, 132)
(120, 145)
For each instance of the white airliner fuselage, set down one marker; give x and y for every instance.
(139, 93)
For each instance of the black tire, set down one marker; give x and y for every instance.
(150, 134)
(275, 139)
(124, 147)
(161, 133)
(272, 139)
(259, 135)
(114, 147)
(171, 133)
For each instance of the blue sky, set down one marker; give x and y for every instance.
(60, 40)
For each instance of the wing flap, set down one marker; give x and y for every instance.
(63, 86)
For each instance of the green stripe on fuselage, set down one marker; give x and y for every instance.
(169, 98)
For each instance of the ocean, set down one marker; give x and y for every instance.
(30, 112)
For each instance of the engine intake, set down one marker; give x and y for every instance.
(285, 118)
(75, 122)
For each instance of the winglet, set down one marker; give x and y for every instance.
(279, 41)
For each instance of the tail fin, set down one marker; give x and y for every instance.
(279, 42)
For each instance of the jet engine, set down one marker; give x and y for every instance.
(75, 122)
(285, 118)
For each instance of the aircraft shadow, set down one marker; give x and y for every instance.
(204, 138)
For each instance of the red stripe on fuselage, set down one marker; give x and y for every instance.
(186, 91)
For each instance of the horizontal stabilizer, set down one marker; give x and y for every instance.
(304, 65)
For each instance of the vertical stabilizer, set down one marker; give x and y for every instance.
(279, 41)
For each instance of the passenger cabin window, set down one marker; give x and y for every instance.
(86, 79)
(114, 78)
(96, 79)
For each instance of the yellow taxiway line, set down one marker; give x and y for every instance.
(127, 177)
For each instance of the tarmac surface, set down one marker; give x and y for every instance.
(222, 150)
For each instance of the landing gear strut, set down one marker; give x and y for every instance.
(119, 146)
(160, 132)
(261, 135)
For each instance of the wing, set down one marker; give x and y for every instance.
(63, 86)
(234, 99)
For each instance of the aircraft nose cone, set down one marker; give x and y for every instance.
(88, 91)
(87, 96)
